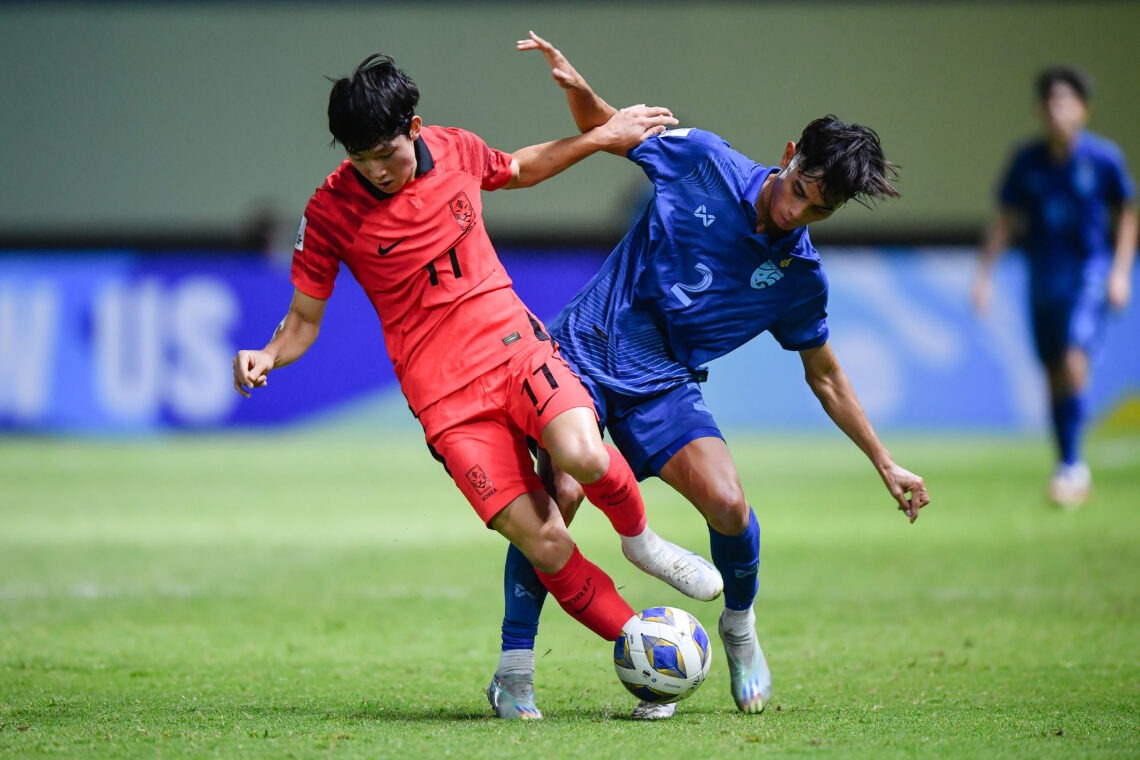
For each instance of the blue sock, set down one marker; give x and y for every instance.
(524, 595)
(738, 559)
(1068, 419)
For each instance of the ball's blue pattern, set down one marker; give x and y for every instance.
(664, 657)
(622, 657)
(657, 615)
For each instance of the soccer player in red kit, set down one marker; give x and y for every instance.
(404, 214)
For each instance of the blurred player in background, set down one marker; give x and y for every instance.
(720, 255)
(1065, 190)
(403, 212)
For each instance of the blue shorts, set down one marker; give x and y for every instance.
(1059, 324)
(649, 430)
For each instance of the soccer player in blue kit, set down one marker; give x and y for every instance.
(1065, 188)
(720, 255)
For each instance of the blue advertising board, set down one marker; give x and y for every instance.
(123, 342)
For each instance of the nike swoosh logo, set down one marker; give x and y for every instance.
(546, 403)
(589, 601)
(385, 251)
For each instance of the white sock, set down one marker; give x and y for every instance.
(516, 662)
(640, 545)
(738, 625)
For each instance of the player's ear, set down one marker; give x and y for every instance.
(789, 151)
(414, 128)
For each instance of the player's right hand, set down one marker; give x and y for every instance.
(630, 126)
(251, 370)
(900, 483)
(565, 74)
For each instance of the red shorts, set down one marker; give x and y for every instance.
(479, 432)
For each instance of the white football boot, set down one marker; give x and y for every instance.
(650, 711)
(513, 697)
(1070, 485)
(690, 573)
(749, 676)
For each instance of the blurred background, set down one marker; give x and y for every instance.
(156, 159)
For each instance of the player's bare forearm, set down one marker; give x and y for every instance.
(995, 244)
(1120, 276)
(997, 239)
(536, 163)
(624, 130)
(837, 396)
(292, 338)
(587, 108)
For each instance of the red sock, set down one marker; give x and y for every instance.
(588, 594)
(617, 495)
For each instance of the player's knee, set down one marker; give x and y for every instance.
(583, 459)
(550, 547)
(725, 508)
(568, 494)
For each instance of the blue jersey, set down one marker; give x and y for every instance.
(1067, 209)
(692, 280)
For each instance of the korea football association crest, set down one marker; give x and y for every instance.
(481, 482)
(462, 210)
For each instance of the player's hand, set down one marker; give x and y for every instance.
(982, 293)
(1119, 289)
(565, 74)
(900, 483)
(251, 370)
(630, 126)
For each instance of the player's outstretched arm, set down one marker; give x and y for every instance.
(995, 244)
(830, 384)
(586, 107)
(623, 131)
(290, 340)
(1120, 278)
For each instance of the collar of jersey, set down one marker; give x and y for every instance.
(424, 164)
(788, 244)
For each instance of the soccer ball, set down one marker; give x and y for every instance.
(662, 655)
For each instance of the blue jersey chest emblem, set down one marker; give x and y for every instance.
(766, 275)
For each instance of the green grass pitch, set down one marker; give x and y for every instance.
(330, 595)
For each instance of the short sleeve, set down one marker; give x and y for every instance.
(674, 153)
(1119, 183)
(491, 167)
(496, 169)
(1010, 191)
(315, 266)
(803, 326)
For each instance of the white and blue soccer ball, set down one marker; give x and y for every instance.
(662, 655)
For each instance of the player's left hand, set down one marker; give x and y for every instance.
(566, 75)
(1119, 289)
(630, 126)
(901, 482)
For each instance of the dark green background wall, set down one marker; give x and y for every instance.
(129, 118)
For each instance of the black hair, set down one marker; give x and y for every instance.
(375, 105)
(847, 160)
(1075, 77)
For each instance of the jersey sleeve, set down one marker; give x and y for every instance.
(1011, 190)
(490, 166)
(674, 153)
(803, 326)
(315, 265)
(1119, 183)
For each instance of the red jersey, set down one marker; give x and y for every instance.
(423, 257)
